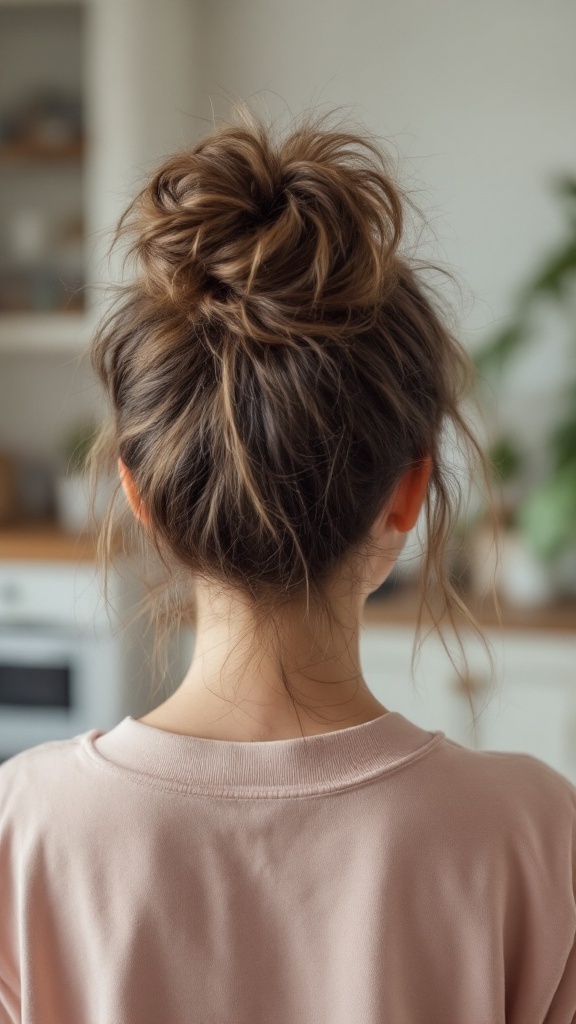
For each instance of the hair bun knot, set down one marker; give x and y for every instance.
(273, 240)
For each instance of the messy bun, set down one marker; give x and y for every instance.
(276, 363)
(272, 244)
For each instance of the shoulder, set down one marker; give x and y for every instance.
(511, 799)
(44, 755)
(509, 774)
(505, 776)
(34, 783)
(498, 827)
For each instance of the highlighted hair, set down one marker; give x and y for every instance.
(275, 365)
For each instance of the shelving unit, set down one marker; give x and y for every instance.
(130, 66)
(42, 150)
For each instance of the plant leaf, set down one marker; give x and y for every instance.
(547, 518)
(496, 353)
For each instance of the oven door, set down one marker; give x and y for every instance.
(51, 686)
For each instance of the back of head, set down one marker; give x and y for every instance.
(275, 364)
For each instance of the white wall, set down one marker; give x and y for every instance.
(479, 101)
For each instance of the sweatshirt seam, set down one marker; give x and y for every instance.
(227, 793)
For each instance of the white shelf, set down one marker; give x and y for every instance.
(44, 332)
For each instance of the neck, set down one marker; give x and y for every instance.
(295, 675)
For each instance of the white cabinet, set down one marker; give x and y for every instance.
(431, 697)
(36, 592)
(68, 661)
(529, 706)
(532, 705)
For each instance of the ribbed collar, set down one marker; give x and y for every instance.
(303, 765)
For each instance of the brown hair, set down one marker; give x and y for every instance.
(275, 364)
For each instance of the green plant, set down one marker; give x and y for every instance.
(547, 516)
(77, 443)
(506, 463)
(505, 459)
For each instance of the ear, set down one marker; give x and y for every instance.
(131, 492)
(404, 507)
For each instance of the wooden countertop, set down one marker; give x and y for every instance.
(48, 542)
(400, 606)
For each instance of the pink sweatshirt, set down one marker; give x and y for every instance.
(379, 874)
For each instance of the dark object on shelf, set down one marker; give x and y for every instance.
(40, 290)
(45, 119)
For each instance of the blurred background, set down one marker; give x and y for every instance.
(476, 105)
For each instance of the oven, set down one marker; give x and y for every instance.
(66, 665)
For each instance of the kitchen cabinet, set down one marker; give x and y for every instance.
(529, 704)
(431, 697)
(69, 661)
